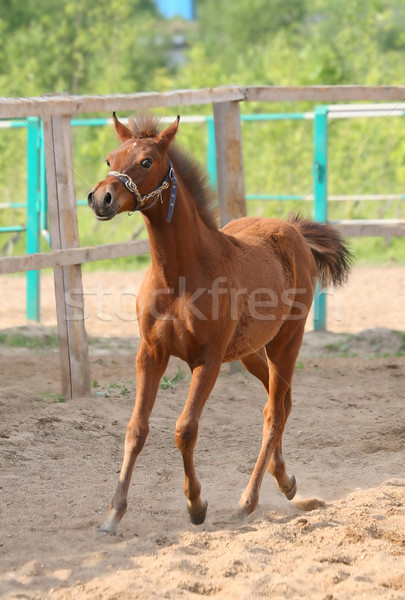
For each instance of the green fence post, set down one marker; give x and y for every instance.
(211, 153)
(43, 217)
(320, 197)
(33, 211)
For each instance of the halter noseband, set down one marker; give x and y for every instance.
(155, 194)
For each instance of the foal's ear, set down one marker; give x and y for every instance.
(166, 136)
(122, 131)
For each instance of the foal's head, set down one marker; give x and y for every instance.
(139, 170)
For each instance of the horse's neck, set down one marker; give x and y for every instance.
(179, 247)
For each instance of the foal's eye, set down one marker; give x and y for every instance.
(146, 163)
(108, 162)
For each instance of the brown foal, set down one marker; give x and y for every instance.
(211, 296)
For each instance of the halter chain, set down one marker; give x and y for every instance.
(156, 193)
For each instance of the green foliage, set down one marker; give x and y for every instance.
(90, 48)
(240, 26)
(171, 382)
(390, 343)
(51, 397)
(20, 340)
(300, 42)
(113, 389)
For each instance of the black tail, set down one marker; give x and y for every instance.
(332, 255)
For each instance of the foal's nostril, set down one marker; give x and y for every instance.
(90, 199)
(107, 199)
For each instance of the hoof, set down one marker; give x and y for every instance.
(289, 494)
(198, 518)
(109, 526)
(245, 508)
(242, 515)
(104, 531)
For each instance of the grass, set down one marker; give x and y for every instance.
(113, 389)
(20, 340)
(378, 346)
(171, 382)
(124, 389)
(340, 347)
(401, 336)
(51, 397)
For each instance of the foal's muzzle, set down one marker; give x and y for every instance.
(103, 205)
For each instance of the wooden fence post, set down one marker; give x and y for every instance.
(230, 172)
(73, 347)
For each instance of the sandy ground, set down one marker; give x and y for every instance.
(344, 442)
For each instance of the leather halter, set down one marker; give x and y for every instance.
(155, 194)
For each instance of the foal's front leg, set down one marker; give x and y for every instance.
(202, 382)
(149, 369)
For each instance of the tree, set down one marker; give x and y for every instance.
(107, 47)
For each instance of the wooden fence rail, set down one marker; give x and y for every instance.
(66, 256)
(74, 105)
(72, 256)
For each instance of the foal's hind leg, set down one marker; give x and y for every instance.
(282, 353)
(285, 482)
(257, 364)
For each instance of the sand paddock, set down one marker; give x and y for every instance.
(344, 442)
